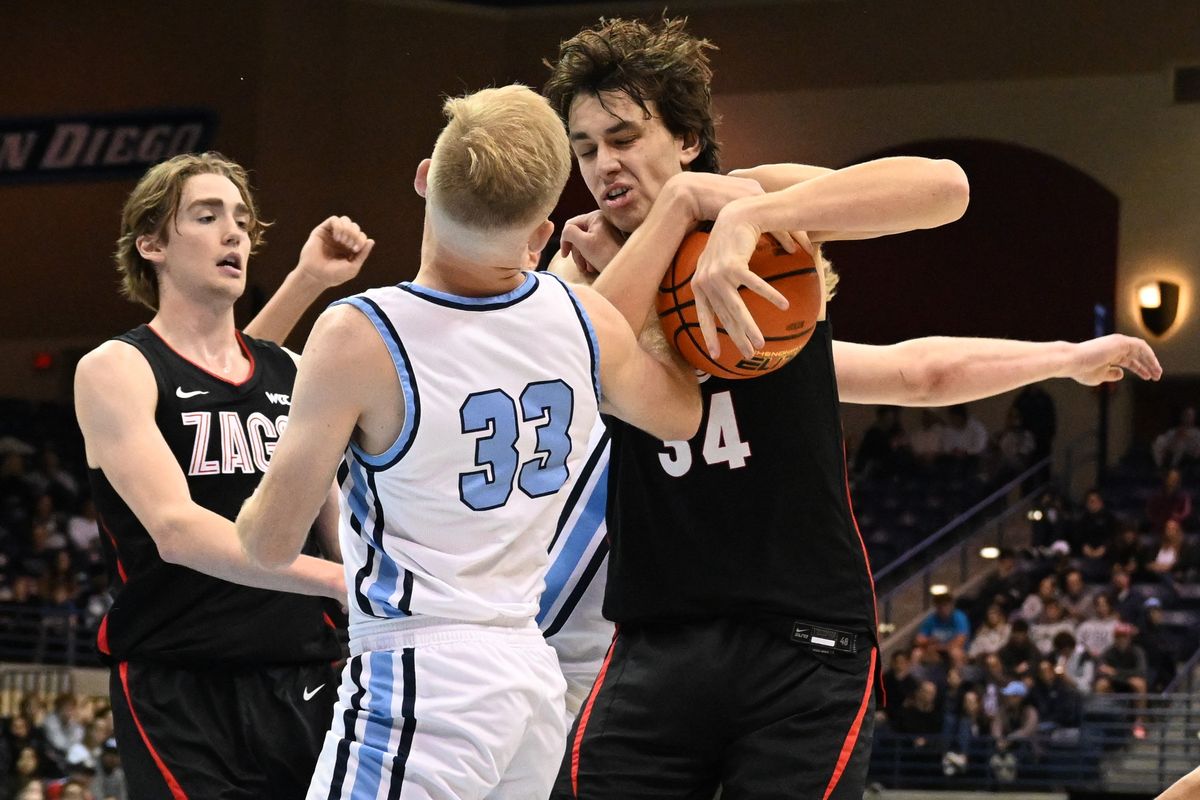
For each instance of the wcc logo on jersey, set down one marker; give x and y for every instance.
(229, 444)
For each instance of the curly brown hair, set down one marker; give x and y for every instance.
(155, 201)
(661, 64)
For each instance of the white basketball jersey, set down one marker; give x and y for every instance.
(455, 518)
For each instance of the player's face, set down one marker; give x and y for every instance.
(623, 157)
(207, 248)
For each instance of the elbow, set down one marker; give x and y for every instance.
(170, 540)
(683, 426)
(259, 550)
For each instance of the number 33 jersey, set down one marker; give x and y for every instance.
(454, 519)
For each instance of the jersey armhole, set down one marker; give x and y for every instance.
(408, 386)
(588, 331)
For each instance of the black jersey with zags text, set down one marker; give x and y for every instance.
(222, 435)
(751, 517)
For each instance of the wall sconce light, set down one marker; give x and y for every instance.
(1159, 303)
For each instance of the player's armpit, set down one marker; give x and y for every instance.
(345, 378)
(659, 394)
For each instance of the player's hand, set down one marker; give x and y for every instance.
(591, 241)
(722, 269)
(335, 252)
(1106, 359)
(705, 196)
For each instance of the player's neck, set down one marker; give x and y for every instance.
(468, 271)
(203, 334)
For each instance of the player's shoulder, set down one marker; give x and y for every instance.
(114, 360)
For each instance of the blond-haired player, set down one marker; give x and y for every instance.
(455, 411)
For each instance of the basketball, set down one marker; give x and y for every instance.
(785, 332)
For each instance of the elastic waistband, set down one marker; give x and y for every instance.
(418, 631)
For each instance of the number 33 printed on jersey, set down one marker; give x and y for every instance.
(722, 441)
(494, 412)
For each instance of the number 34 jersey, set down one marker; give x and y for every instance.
(454, 519)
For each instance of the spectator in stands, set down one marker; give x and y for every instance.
(1005, 587)
(1126, 550)
(1059, 704)
(1180, 445)
(83, 529)
(1019, 655)
(1037, 414)
(1096, 634)
(991, 635)
(1156, 642)
(1095, 527)
(1016, 726)
(1071, 660)
(16, 492)
(1172, 558)
(898, 682)
(926, 444)
(26, 770)
(1052, 622)
(946, 630)
(1048, 521)
(47, 516)
(884, 450)
(1015, 446)
(49, 477)
(1171, 503)
(921, 718)
(1035, 604)
(62, 727)
(964, 439)
(109, 783)
(1122, 668)
(995, 678)
(968, 734)
(1126, 602)
(1078, 598)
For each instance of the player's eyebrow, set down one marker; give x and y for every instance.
(217, 203)
(619, 127)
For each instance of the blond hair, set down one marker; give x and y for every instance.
(154, 202)
(501, 161)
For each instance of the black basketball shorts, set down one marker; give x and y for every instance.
(680, 709)
(222, 733)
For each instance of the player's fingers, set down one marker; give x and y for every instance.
(786, 241)
(739, 325)
(759, 286)
(708, 325)
(367, 247)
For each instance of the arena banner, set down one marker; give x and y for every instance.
(98, 146)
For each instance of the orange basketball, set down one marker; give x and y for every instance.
(785, 332)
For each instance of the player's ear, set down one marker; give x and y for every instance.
(538, 239)
(690, 145)
(150, 247)
(421, 179)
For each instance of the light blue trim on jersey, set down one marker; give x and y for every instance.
(403, 372)
(506, 299)
(586, 321)
(575, 549)
(377, 729)
(380, 590)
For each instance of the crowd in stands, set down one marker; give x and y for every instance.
(995, 676)
(62, 752)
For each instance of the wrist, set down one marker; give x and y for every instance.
(301, 279)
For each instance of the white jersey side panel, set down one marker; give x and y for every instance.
(455, 519)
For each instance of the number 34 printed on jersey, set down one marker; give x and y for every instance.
(722, 441)
(551, 405)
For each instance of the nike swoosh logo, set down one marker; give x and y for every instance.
(182, 395)
(310, 695)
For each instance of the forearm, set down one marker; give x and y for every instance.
(284, 309)
(631, 280)
(208, 543)
(890, 194)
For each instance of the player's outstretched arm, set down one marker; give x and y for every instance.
(115, 398)
(658, 394)
(334, 253)
(346, 372)
(943, 370)
(885, 195)
(1186, 788)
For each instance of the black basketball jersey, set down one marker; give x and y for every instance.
(222, 434)
(751, 517)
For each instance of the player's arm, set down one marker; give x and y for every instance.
(334, 253)
(888, 194)
(338, 381)
(115, 400)
(657, 393)
(1186, 788)
(943, 370)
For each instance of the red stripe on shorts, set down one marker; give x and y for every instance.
(176, 790)
(116, 552)
(852, 735)
(586, 713)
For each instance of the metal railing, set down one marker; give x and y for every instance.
(45, 635)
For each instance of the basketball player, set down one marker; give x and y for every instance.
(459, 408)
(180, 418)
(746, 645)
